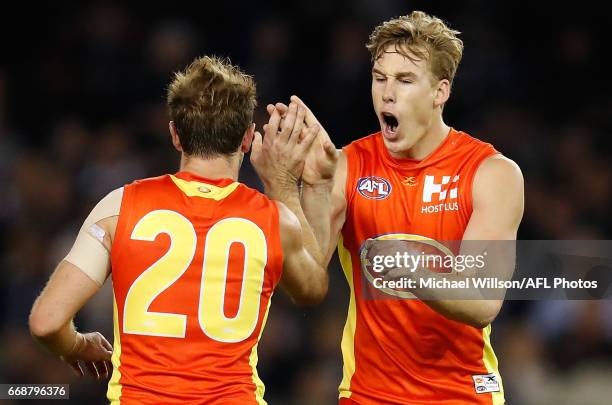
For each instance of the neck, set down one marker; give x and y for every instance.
(431, 139)
(221, 167)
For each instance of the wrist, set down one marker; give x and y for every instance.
(319, 186)
(280, 186)
(282, 192)
(79, 343)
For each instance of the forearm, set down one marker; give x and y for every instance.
(288, 194)
(316, 204)
(477, 313)
(62, 342)
(457, 300)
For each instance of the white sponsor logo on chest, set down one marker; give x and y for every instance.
(439, 193)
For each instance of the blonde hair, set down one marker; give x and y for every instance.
(211, 103)
(420, 36)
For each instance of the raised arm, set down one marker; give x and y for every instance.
(278, 158)
(325, 169)
(304, 276)
(329, 210)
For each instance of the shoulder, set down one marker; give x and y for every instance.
(108, 206)
(499, 168)
(498, 180)
(152, 180)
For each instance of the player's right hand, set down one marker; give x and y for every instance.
(322, 157)
(93, 352)
(279, 155)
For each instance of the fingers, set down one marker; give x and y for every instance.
(288, 123)
(310, 134)
(299, 124)
(271, 128)
(393, 274)
(106, 345)
(310, 118)
(91, 369)
(76, 368)
(282, 108)
(256, 146)
(103, 370)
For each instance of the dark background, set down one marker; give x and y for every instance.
(82, 111)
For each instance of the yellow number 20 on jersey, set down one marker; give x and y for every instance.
(137, 319)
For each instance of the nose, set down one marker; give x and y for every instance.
(389, 92)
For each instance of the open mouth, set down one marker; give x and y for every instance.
(391, 123)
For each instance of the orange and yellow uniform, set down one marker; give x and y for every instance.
(194, 264)
(400, 351)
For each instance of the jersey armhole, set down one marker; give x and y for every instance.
(279, 243)
(125, 213)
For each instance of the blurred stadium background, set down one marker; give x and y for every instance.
(82, 112)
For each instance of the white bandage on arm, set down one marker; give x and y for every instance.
(88, 252)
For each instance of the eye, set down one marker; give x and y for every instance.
(379, 78)
(406, 81)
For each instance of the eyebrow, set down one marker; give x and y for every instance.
(399, 75)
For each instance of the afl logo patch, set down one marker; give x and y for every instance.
(374, 188)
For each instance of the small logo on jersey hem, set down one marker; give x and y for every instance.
(485, 383)
(374, 187)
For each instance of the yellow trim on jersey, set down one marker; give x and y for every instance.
(490, 363)
(259, 385)
(114, 386)
(348, 335)
(205, 190)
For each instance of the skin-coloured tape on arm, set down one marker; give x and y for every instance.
(88, 252)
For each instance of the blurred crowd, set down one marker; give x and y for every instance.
(82, 111)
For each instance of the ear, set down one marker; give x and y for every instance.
(175, 137)
(442, 93)
(247, 139)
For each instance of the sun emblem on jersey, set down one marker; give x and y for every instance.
(374, 187)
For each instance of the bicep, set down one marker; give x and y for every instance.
(497, 197)
(91, 250)
(497, 200)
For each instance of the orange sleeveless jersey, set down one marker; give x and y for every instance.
(194, 265)
(399, 351)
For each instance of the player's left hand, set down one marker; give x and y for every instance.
(279, 155)
(322, 157)
(93, 352)
(388, 248)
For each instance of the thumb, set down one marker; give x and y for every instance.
(330, 150)
(256, 145)
(106, 345)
